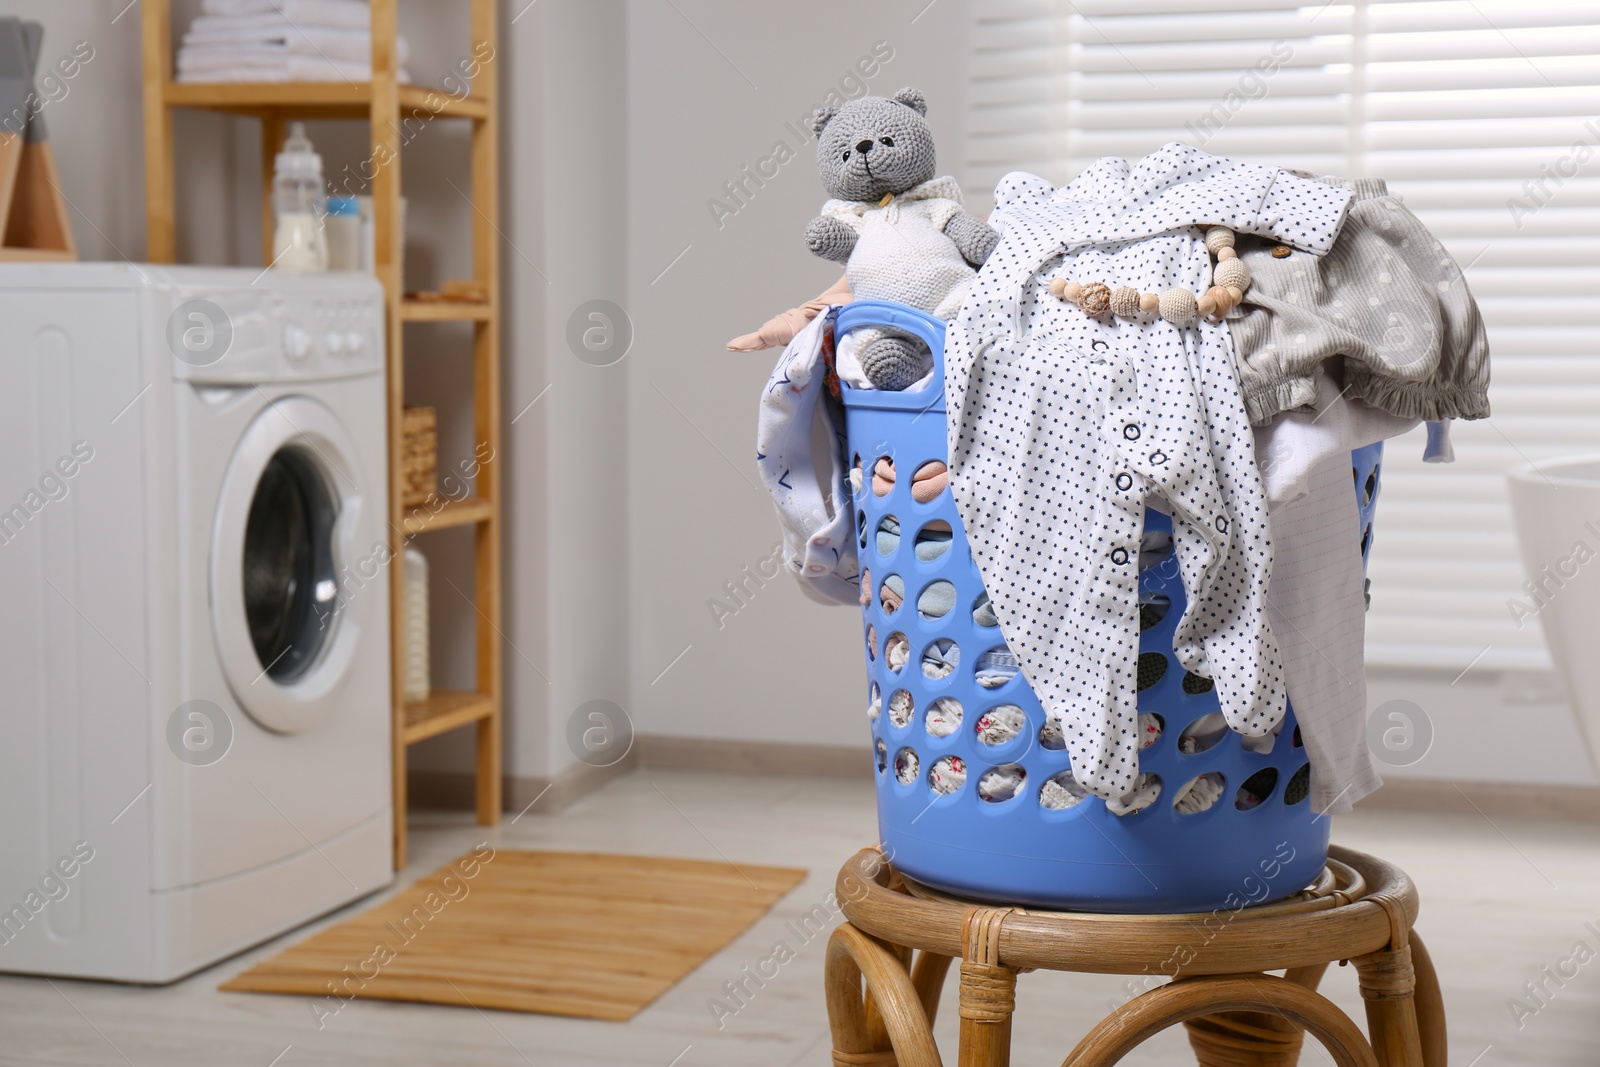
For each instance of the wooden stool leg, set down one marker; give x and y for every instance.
(1252, 1038)
(1310, 977)
(1430, 1006)
(988, 992)
(1388, 983)
(1150, 1013)
(852, 957)
(1244, 1039)
(988, 997)
(927, 977)
(877, 1029)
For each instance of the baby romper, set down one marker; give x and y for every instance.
(1387, 298)
(1063, 427)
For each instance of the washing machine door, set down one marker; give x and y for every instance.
(293, 548)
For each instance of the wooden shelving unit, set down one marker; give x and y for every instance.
(384, 104)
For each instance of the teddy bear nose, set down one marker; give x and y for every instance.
(863, 147)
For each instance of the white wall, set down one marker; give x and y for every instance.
(96, 128)
(568, 176)
(1486, 725)
(712, 90)
(563, 79)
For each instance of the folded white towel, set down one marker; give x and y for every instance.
(338, 46)
(280, 68)
(271, 23)
(350, 14)
(276, 31)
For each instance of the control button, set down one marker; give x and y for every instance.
(334, 342)
(296, 342)
(354, 342)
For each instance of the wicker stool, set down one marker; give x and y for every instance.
(901, 937)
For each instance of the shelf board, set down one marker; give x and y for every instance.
(317, 99)
(444, 710)
(445, 311)
(36, 255)
(422, 517)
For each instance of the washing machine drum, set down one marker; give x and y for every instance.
(289, 584)
(286, 571)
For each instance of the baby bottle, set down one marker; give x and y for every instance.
(298, 204)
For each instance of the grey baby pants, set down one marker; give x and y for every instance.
(1387, 297)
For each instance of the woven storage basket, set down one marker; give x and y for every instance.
(1018, 850)
(419, 455)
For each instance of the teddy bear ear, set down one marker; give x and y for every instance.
(821, 117)
(913, 99)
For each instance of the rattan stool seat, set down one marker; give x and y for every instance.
(900, 938)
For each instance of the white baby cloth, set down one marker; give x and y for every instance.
(1317, 603)
(811, 498)
(1317, 609)
(349, 14)
(1294, 443)
(1062, 425)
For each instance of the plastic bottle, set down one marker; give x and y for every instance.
(414, 626)
(344, 233)
(299, 204)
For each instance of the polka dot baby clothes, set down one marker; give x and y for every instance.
(1065, 426)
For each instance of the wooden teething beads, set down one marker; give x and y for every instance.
(1230, 279)
(1178, 306)
(1094, 298)
(1125, 302)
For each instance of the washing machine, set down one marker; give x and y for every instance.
(194, 648)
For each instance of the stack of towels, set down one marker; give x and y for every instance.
(280, 41)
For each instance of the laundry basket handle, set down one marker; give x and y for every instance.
(887, 313)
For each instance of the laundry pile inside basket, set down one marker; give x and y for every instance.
(1205, 338)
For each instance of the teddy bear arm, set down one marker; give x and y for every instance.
(831, 239)
(973, 237)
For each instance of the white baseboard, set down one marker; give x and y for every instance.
(1577, 802)
(721, 756)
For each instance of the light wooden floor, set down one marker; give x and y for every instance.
(1501, 901)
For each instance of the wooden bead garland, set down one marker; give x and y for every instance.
(1178, 306)
(1231, 273)
(1094, 298)
(1230, 278)
(1125, 302)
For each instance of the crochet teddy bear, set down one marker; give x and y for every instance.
(900, 232)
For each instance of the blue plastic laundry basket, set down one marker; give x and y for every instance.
(1018, 850)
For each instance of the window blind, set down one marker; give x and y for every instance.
(1484, 116)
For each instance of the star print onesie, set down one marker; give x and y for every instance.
(1063, 427)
